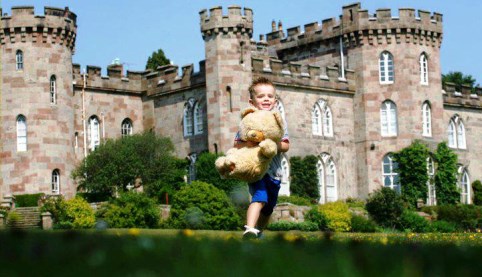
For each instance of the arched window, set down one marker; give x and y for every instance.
(19, 60)
(426, 120)
(56, 181)
(322, 119)
(281, 109)
(389, 174)
(464, 185)
(456, 133)
(327, 179)
(320, 169)
(423, 69)
(126, 127)
(386, 68)
(53, 89)
(431, 196)
(198, 119)
(21, 133)
(188, 117)
(93, 132)
(388, 119)
(285, 180)
(331, 188)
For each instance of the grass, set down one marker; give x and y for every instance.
(144, 252)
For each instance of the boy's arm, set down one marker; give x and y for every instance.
(283, 146)
(241, 143)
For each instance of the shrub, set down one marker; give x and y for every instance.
(443, 226)
(446, 175)
(304, 177)
(27, 200)
(75, 213)
(355, 203)
(385, 207)
(334, 215)
(131, 209)
(361, 224)
(306, 226)
(295, 200)
(200, 199)
(477, 188)
(315, 216)
(412, 222)
(466, 217)
(94, 197)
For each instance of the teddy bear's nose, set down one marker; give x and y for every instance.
(254, 135)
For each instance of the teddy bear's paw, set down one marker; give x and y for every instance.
(268, 148)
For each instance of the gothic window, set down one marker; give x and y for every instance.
(321, 181)
(56, 181)
(423, 69)
(322, 119)
(19, 60)
(386, 68)
(21, 133)
(388, 119)
(192, 167)
(198, 119)
(281, 110)
(426, 120)
(389, 174)
(456, 133)
(126, 127)
(193, 118)
(53, 89)
(431, 196)
(93, 133)
(464, 185)
(285, 180)
(327, 179)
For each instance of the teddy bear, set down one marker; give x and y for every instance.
(251, 163)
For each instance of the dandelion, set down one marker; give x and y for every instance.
(188, 232)
(134, 232)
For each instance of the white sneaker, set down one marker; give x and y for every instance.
(250, 233)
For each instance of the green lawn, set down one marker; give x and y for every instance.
(135, 252)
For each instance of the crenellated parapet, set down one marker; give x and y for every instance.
(56, 26)
(166, 79)
(296, 74)
(462, 96)
(358, 27)
(236, 22)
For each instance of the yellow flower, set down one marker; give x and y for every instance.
(290, 237)
(188, 232)
(134, 231)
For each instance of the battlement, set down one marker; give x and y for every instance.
(166, 79)
(357, 27)
(55, 26)
(235, 21)
(296, 74)
(462, 96)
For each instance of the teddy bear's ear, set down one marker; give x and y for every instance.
(279, 119)
(247, 111)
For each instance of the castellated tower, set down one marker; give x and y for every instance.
(228, 71)
(398, 46)
(37, 113)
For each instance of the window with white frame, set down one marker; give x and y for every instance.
(320, 169)
(327, 179)
(426, 120)
(53, 89)
(464, 185)
(431, 195)
(93, 133)
(388, 119)
(198, 119)
(285, 179)
(126, 127)
(21, 133)
(322, 119)
(456, 133)
(55, 181)
(423, 69)
(281, 109)
(389, 174)
(19, 60)
(386, 68)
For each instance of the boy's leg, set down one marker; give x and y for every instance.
(253, 214)
(258, 201)
(272, 188)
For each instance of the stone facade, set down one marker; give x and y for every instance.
(335, 62)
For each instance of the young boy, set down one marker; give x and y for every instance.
(264, 193)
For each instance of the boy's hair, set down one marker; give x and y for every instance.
(259, 81)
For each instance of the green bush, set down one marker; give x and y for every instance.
(443, 226)
(412, 222)
(477, 188)
(385, 207)
(334, 216)
(295, 200)
(304, 177)
(200, 205)
(94, 197)
(75, 213)
(318, 218)
(355, 203)
(27, 200)
(466, 217)
(306, 226)
(131, 209)
(446, 175)
(361, 224)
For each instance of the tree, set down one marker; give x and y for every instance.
(304, 177)
(446, 175)
(412, 172)
(157, 59)
(459, 79)
(118, 163)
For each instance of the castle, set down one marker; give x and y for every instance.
(353, 90)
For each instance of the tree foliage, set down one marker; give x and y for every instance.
(157, 59)
(304, 177)
(117, 163)
(412, 172)
(446, 175)
(385, 206)
(459, 79)
(477, 188)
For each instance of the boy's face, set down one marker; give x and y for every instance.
(265, 97)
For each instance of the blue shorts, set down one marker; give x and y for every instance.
(266, 191)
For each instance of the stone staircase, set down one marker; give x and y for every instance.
(25, 218)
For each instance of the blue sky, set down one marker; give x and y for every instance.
(132, 30)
